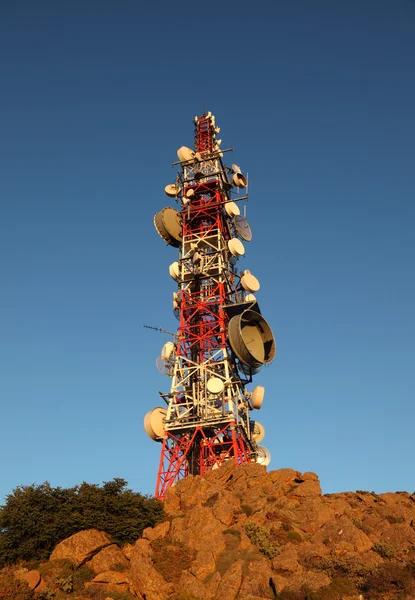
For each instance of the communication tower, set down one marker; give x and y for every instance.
(222, 339)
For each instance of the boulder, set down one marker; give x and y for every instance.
(159, 531)
(341, 533)
(231, 582)
(310, 580)
(81, 546)
(32, 578)
(258, 579)
(108, 559)
(287, 560)
(146, 581)
(307, 488)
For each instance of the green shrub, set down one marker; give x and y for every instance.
(234, 532)
(248, 510)
(260, 536)
(392, 519)
(385, 549)
(294, 536)
(37, 517)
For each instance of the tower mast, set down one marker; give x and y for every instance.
(222, 339)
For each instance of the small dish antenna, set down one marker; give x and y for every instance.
(163, 366)
(242, 228)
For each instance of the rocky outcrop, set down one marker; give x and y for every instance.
(257, 536)
(81, 546)
(108, 559)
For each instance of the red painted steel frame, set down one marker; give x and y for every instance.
(202, 332)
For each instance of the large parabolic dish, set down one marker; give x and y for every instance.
(168, 225)
(251, 338)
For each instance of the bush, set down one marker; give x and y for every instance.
(260, 536)
(37, 517)
(248, 510)
(385, 549)
(390, 578)
(171, 559)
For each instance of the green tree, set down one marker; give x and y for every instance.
(37, 517)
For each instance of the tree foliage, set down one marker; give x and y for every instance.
(37, 517)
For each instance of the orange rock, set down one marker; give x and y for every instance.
(159, 531)
(307, 488)
(32, 578)
(81, 546)
(146, 581)
(231, 582)
(107, 558)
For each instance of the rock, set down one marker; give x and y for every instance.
(159, 531)
(32, 578)
(287, 560)
(171, 501)
(204, 565)
(257, 579)
(342, 531)
(310, 580)
(81, 546)
(42, 586)
(307, 488)
(202, 532)
(284, 476)
(231, 582)
(127, 550)
(146, 581)
(309, 476)
(190, 585)
(107, 559)
(110, 581)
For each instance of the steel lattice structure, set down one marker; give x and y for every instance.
(222, 338)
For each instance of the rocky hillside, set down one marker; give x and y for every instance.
(241, 533)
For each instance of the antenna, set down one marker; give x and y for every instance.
(160, 329)
(222, 340)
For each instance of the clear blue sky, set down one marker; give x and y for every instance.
(317, 99)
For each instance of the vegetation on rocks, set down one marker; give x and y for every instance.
(238, 532)
(37, 517)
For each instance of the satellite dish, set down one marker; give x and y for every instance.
(162, 366)
(185, 154)
(258, 432)
(167, 350)
(257, 396)
(249, 282)
(242, 228)
(154, 422)
(249, 371)
(168, 224)
(251, 338)
(172, 190)
(174, 270)
(232, 209)
(239, 180)
(236, 169)
(190, 193)
(263, 456)
(236, 247)
(215, 386)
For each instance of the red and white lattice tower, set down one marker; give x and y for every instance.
(222, 340)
